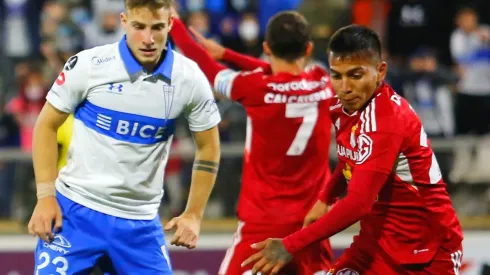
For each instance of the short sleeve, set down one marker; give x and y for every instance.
(239, 86)
(201, 112)
(71, 86)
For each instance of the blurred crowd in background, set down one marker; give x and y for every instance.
(438, 53)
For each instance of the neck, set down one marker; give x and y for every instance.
(282, 66)
(150, 67)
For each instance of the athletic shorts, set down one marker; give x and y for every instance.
(118, 246)
(315, 259)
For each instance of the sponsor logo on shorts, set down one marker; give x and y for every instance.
(59, 244)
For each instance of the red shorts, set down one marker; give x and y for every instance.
(361, 259)
(313, 259)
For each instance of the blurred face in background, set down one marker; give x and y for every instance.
(110, 22)
(249, 28)
(35, 86)
(146, 33)
(200, 22)
(467, 20)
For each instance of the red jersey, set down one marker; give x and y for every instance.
(287, 144)
(412, 216)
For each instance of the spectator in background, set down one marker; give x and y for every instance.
(104, 29)
(427, 89)
(61, 37)
(199, 21)
(27, 104)
(415, 23)
(470, 48)
(25, 107)
(249, 35)
(325, 17)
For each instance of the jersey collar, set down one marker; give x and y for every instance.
(134, 68)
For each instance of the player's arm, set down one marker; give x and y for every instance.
(203, 117)
(378, 153)
(206, 164)
(194, 51)
(65, 94)
(335, 186)
(218, 52)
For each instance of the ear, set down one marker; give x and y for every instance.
(170, 22)
(266, 48)
(382, 69)
(124, 19)
(309, 49)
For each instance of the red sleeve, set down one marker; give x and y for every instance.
(361, 194)
(378, 151)
(335, 186)
(245, 62)
(194, 51)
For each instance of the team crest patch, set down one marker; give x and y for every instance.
(70, 64)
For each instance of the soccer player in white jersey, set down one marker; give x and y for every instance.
(102, 207)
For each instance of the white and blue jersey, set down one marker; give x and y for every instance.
(124, 123)
(110, 190)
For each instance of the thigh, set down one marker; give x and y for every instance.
(76, 248)
(238, 252)
(138, 247)
(364, 257)
(445, 262)
(315, 258)
(248, 234)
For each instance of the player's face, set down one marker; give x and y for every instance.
(355, 79)
(147, 32)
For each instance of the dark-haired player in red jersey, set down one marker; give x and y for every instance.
(288, 138)
(393, 182)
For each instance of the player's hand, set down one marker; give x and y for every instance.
(270, 259)
(318, 210)
(187, 230)
(46, 212)
(215, 50)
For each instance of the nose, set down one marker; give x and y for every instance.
(148, 39)
(345, 87)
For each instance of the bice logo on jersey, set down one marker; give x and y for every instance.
(130, 128)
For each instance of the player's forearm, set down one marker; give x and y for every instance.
(204, 172)
(194, 51)
(244, 62)
(45, 153)
(335, 186)
(358, 202)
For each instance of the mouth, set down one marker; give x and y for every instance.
(148, 52)
(352, 100)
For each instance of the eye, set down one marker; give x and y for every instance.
(158, 28)
(138, 27)
(335, 76)
(356, 76)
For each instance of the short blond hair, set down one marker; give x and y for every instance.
(151, 4)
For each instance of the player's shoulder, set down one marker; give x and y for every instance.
(89, 58)
(386, 109)
(316, 70)
(184, 64)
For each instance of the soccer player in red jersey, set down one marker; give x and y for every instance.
(386, 165)
(288, 138)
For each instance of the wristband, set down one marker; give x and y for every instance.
(45, 190)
